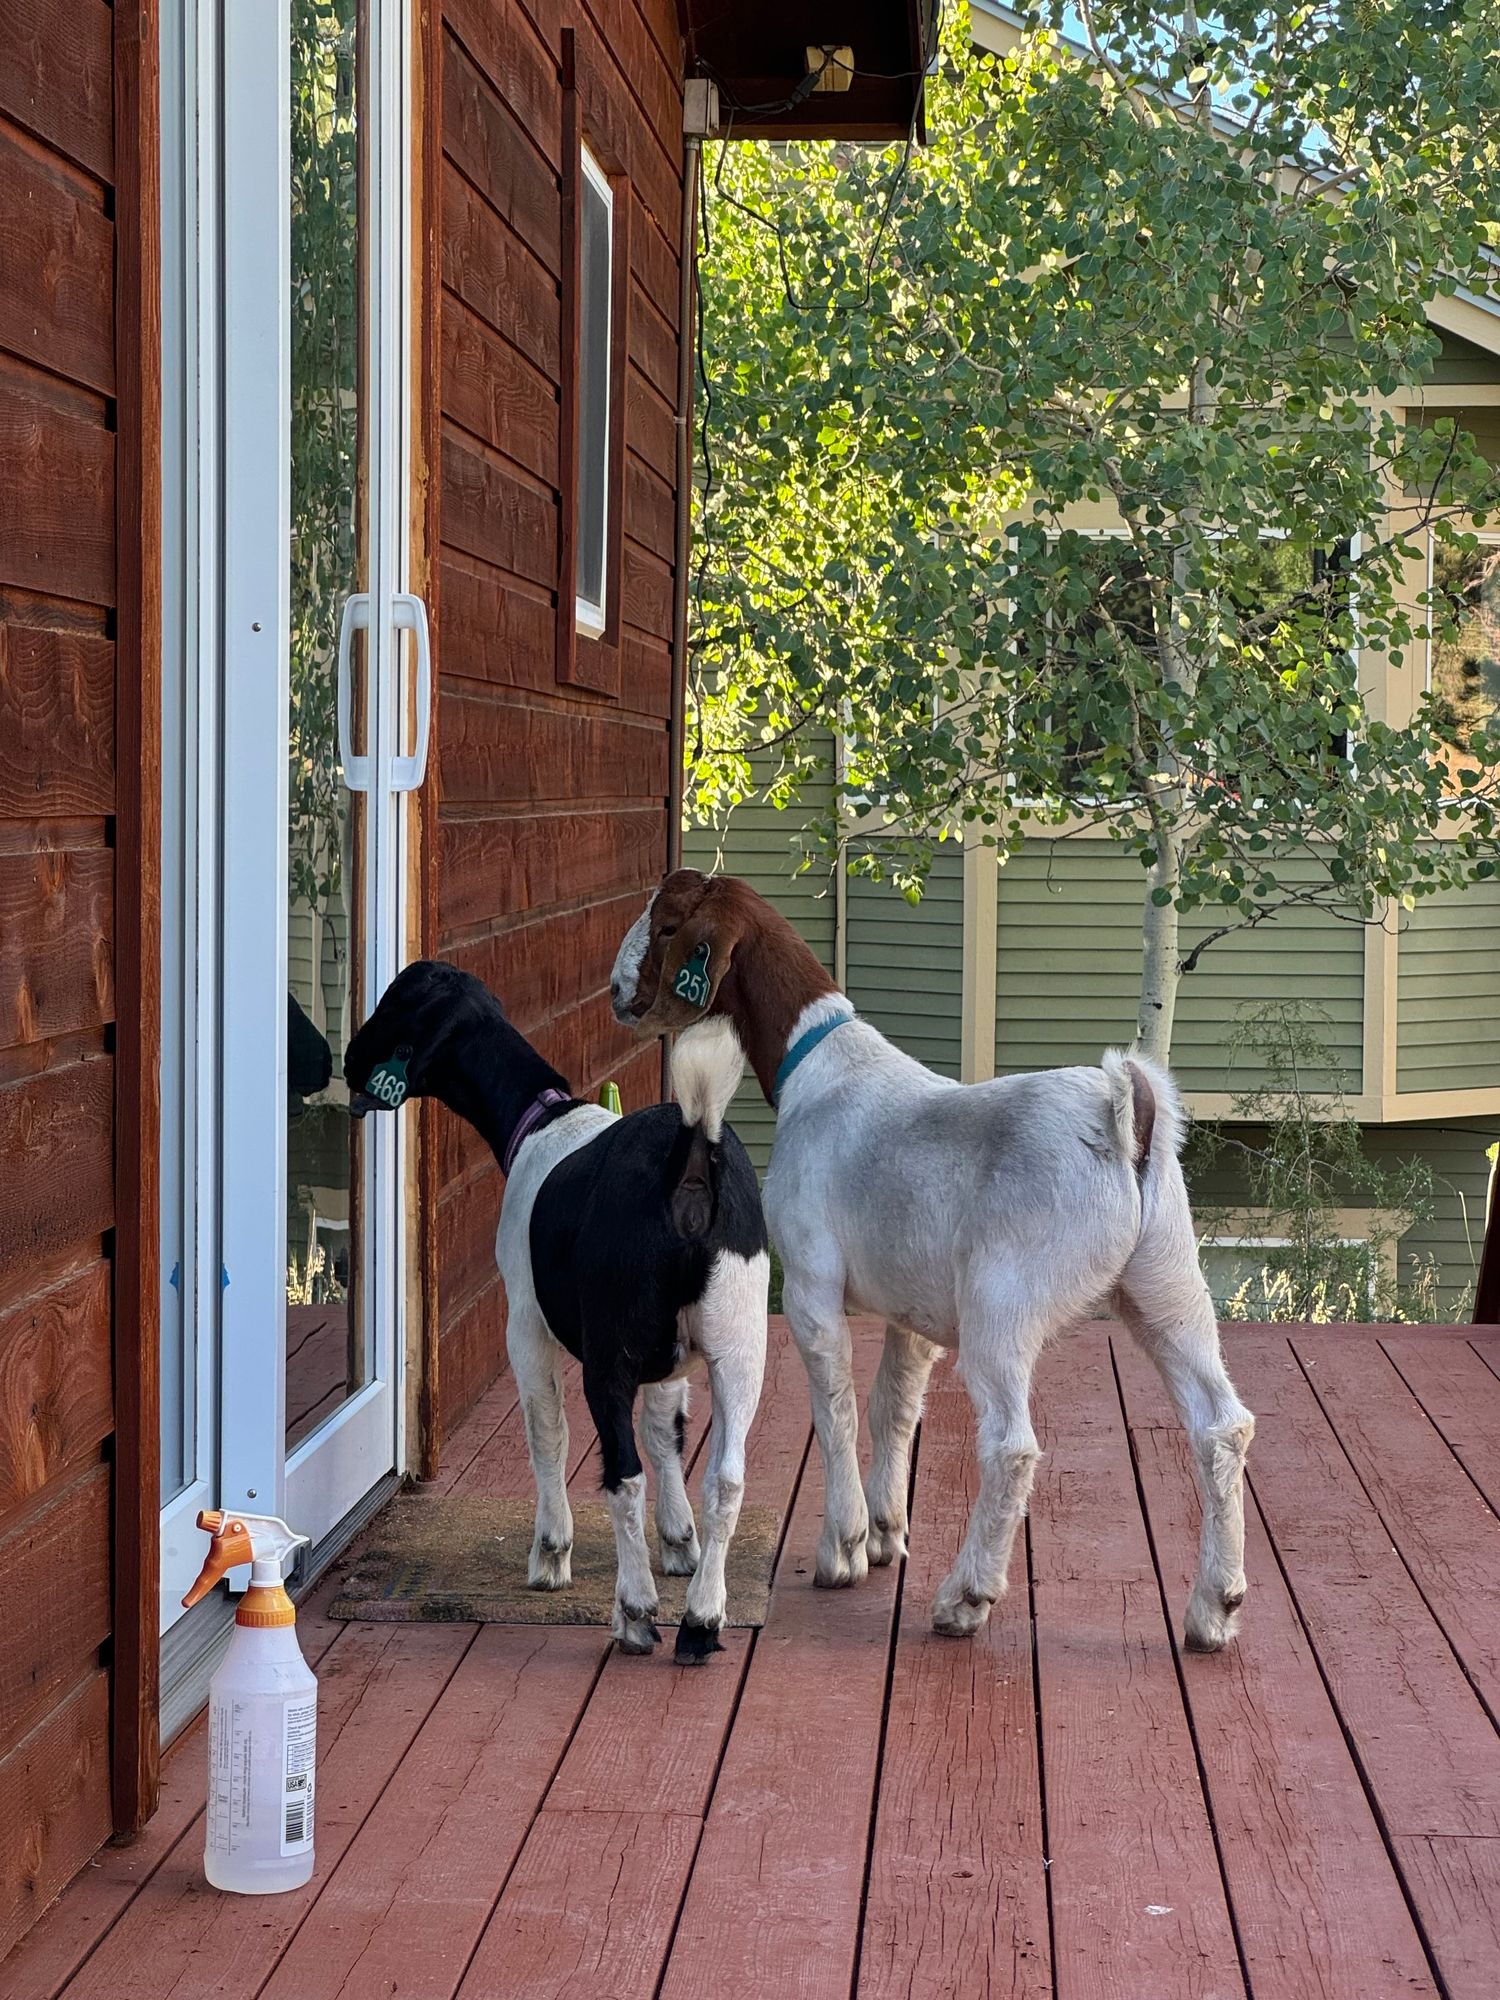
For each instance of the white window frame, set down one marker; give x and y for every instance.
(592, 618)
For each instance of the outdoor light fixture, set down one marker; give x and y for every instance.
(832, 65)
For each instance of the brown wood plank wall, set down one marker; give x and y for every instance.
(77, 676)
(552, 820)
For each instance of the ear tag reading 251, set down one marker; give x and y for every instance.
(387, 1081)
(691, 983)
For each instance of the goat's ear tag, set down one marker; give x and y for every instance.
(387, 1081)
(691, 983)
(609, 1097)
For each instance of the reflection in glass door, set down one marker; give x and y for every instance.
(326, 1349)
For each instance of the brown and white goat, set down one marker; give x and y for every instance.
(985, 1217)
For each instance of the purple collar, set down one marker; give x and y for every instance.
(531, 1117)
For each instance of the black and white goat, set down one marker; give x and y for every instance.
(631, 1243)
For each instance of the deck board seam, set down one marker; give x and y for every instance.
(536, 1813)
(885, 1724)
(1372, 1797)
(1401, 1556)
(391, 1777)
(728, 1736)
(1184, 1697)
(1041, 1757)
(1416, 1396)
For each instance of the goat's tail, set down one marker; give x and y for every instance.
(707, 1064)
(1149, 1119)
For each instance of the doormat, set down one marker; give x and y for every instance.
(452, 1559)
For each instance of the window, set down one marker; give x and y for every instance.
(596, 203)
(1464, 669)
(595, 313)
(1075, 704)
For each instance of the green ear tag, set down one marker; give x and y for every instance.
(691, 983)
(609, 1097)
(387, 1081)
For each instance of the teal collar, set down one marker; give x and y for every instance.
(803, 1047)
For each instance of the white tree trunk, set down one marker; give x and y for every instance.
(1161, 959)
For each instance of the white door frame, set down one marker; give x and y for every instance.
(233, 81)
(191, 1263)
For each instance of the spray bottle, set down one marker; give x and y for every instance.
(262, 1718)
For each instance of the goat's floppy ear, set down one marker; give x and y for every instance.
(694, 963)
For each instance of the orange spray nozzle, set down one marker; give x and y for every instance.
(231, 1546)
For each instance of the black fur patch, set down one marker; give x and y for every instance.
(696, 1644)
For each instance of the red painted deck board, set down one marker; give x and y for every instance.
(957, 1874)
(1461, 1396)
(1137, 1898)
(1439, 1521)
(1425, 1745)
(844, 1804)
(774, 1901)
(1316, 1898)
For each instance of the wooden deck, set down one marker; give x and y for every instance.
(844, 1805)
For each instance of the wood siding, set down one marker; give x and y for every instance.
(1448, 965)
(78, 654)
(552, 817)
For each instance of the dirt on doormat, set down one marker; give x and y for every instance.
(451, 1559)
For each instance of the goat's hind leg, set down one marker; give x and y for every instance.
(895, 1407)
(612, 1404)
(735, 1373)
(1166, 1305)
(815, 1309)
(995, 1360)
(664, 1411)
(536, 1361)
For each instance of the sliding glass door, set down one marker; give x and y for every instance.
(306, 670)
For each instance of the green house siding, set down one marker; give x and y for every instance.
(905, 961)
(1068, 972)
(1448, 993)
(1460, 361)
(762, 845)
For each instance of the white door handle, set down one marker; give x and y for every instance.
(356, 618)
(409, 614)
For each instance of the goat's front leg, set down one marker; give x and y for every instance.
(996, 1365)
(611, 1403)
(816, 1313)
(735, 1373)
(895, 1407)
(536, 1362)
(664, 1410)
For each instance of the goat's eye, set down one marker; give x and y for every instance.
(668, 930)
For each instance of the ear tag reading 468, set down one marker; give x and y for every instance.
(387, 1081)
(691, 983)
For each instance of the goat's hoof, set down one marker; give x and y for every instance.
(551, 1566)
(843, 1561)
(696, 1643)
(1212, 1619)
(680, 1558)
(960, 1617)
(886, 1542)
(635, 1628)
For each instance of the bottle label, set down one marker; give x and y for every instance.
(299, 1772)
